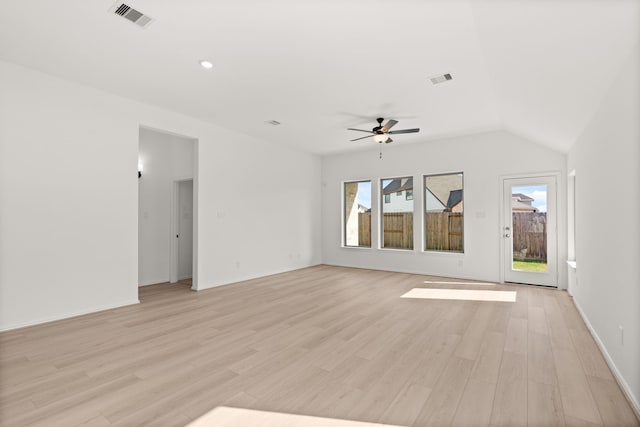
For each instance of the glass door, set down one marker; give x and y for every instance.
(529, 230)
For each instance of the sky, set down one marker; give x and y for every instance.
(364, 194)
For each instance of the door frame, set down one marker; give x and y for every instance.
(175, 227)
(194, 176)
(556, 176)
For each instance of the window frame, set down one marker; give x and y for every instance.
(343, 214)
(382, 198)
(424, 214)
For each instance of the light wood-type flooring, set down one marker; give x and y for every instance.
(324, 341)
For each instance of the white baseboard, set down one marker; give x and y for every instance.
(142, 285)
(204, 286)
(633, 400)
(152, 282)
(418, 272)
(67, 315)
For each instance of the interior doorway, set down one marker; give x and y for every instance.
(529, 249)
(167, 207)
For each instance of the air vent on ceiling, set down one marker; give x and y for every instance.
(441, 78)
(131, 14)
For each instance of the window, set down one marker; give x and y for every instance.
(409, 195)
(397, 213)
(357, 214)
(444, 212)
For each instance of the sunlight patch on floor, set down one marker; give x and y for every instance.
(461, 294)
(224, 416)
(439, 282)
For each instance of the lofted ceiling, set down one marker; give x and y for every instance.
(538, 68)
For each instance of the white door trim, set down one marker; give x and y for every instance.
(175, 226)
(556, 176)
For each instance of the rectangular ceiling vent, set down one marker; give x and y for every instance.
(441, 78)
(131, 14)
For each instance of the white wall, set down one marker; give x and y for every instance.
(483, 158)
(606, 159)
(69, 202)
(165, 158)
(68, 199)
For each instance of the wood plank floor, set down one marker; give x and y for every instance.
(323, 341)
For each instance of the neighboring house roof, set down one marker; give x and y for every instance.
(523, 203)
(399, 184)
(455, 197)
(518, 206)
(522, 197)
(442, 187)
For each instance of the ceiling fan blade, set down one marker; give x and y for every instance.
(405, 131)
(360, 130)
(388, 140)
(357, 139)
(389, 125)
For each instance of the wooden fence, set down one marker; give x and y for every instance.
(398, 230)
(444, 231)
(364, 229)
(529, 235)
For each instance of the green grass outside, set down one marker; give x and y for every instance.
(539, 266)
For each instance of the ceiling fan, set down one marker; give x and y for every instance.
(381, 133)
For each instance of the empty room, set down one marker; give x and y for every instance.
(332, 214)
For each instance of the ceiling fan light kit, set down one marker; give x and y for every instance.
(381, 137)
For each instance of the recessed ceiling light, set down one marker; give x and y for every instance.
(206, 64)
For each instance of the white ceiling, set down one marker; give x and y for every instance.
(538, 68)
